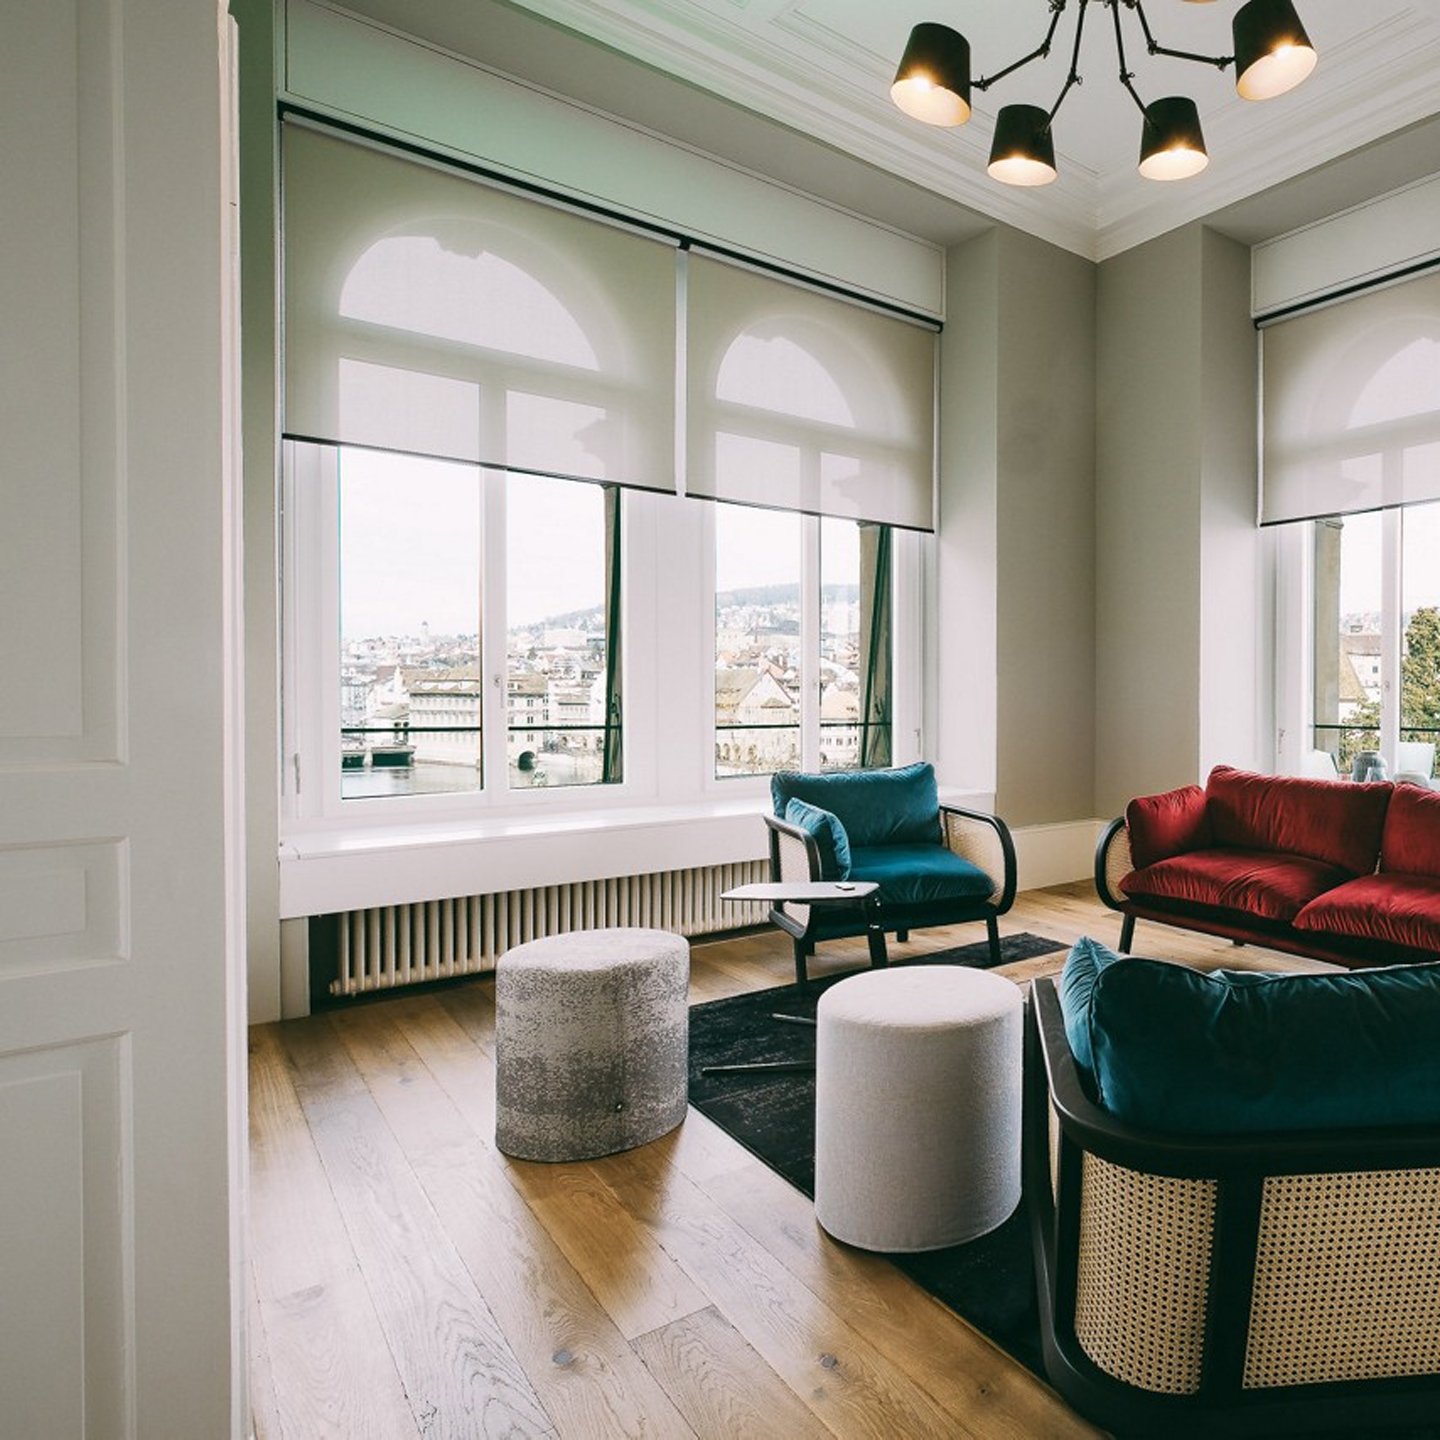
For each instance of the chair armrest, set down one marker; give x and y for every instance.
(984, 840)
(794, 854)
(1113, 862)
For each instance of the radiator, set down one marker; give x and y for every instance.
(396, 945)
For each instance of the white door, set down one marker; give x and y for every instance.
(118, 1041)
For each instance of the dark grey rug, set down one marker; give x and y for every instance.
(990, 1281)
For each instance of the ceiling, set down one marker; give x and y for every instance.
(719, 74)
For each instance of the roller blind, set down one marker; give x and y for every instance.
(1352, 405)
(433, 313)
(803, 401)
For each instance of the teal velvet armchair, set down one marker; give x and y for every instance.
(935, 864)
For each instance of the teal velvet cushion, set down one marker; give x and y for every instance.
(875, 807)
(918, 874)
(829, 836)
(1082, 969)
(1170, 1048)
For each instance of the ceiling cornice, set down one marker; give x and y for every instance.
(724, 57)
(825, 85)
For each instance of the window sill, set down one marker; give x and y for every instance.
(352, 868)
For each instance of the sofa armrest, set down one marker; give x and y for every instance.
(984, 840)
(1113, 862)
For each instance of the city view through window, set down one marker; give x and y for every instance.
(761, 669)
(413, 596)
(413, 591)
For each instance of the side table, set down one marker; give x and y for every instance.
(859, 893)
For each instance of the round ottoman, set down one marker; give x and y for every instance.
(592, 1042)
(917, 1107)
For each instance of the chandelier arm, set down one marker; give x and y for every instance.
(1073, 78)
(1057, 9)
(1125, 73)
(1220, 62)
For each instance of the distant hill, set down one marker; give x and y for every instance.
(592, 618)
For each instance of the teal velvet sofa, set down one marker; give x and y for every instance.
(1233, 1187)
(935, 864)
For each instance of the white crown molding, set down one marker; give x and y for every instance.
(726, 59)
(825, 85)
(1331, 121)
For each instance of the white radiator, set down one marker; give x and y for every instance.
(437, 939)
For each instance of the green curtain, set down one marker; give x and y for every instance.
(876, 645)
(613, 764)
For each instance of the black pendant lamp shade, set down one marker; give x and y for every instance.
(933, 81)
(1172, 146)
(1023, 151)
(1273, 53)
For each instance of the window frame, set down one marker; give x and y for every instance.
(906, 604)
(1294, 558)
(311, 655)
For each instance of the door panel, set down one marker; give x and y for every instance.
(118, 1112)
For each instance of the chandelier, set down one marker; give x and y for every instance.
(1272, 54)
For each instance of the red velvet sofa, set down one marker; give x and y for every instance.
(1343, 872)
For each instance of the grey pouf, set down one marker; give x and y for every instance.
(917, 1107)
(592, 1043)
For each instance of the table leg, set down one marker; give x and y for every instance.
(875, 936)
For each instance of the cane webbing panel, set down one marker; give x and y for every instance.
(1118, 862)
(1347, 1278)
(1143, 1275)
(795, 865)
(979, 843)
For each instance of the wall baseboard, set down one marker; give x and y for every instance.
(1056, 854)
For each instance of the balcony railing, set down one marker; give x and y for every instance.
(1344, 742)
(389, 759)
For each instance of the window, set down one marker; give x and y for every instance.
(802, 609)
(471, 376)
(1376, 627)
(410, 586)
(427, 603)
(562, 673)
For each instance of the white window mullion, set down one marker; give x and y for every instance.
(1293, 554)
(494, 662)
(1391, 633)
(907, 737)
(810, 642)
(310, 782)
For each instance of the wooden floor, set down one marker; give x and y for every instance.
(409, 1280)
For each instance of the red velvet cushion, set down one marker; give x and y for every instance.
(1269, 887)
(1332, 821)
(1411, 842)
(1393, 909)
(1164, 825)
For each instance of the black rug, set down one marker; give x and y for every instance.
(990, 1281)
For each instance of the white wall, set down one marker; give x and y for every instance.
(1182, 608)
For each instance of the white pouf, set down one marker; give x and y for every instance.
(917, 1107)
(592, 1038)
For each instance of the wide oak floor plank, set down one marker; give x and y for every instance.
(328, 1364)
(723, 1388)
(460, 1374)
(583, 1370)
(819, 1355)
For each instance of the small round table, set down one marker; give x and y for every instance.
(917, 1107)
